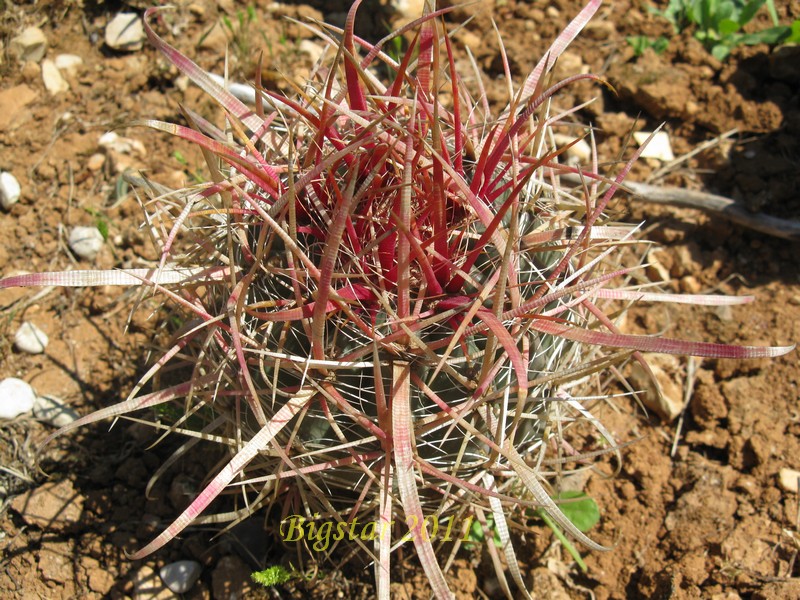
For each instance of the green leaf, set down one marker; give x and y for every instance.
(749, 11)
(728, 26)
(640, 43)
(580, 509)
(794, 36)
(720, 52)
(477, 536)
(272, 576)
(771, 36)
(773, 13)
(102, 227)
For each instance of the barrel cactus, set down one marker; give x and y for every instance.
(391, 300)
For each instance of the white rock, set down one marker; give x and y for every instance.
(16, 398)
(53, 410)
(125, 32)
(408, 9)
(314, 50)
(69, 63)
(86, 242)
(31, 44)
(116, 143)
(578, 154)
(9, 190)
(244, 92)
(659, 147)
(29, 338)
(180, 576)
(664, 395)
(54, 81)
(96, 162)
(787, 479)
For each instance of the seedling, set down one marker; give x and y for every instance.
(582, 512)
(718, 24)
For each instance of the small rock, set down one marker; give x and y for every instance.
(86, 242)
(55, 562)
(52, 506)
(659, 147)
(114, 142)
(125, 32)
(197, 9)
(569, 64)
(578, 154)
(100, 580)
(31, 72)
(665, 394)
(31, 44)
(180, 576)
(13, 102)
(9, 190)
(16, 398)
(182, 491)
(552, 12)
(182, 82)
(96, 162)
(314, 50)
(54, 82)
(407, 10)
(69, 63)
(53, 410)
(148, 586)
(656, 269)
(787, 480)
(29, 338)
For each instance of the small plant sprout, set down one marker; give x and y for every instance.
(395, 309)
(272, 576)
(718, 25)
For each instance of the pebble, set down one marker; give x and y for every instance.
(31, 44)
(312, 49)
(180, 576)
(408, 10)
(54, 81)
(52, 410)
(787, 480)
(69, 63)
(578, 154)
(552, 12)
(16, 398)
(13, 106)
(116, 143)
(125, 32)
(665, 394)
(86, 242)
(659, 147)
(29, 338)
(31, 71)
(96, 162)
(9, 190)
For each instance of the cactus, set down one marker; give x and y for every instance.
(392, 301)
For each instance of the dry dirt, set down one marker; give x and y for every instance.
(696, 509)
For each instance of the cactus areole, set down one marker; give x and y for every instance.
(391, 298)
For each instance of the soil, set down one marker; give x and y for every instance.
(695, 509)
